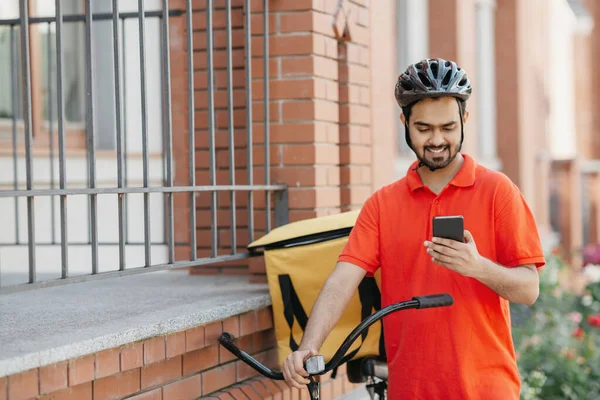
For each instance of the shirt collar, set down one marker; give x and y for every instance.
(465, 176)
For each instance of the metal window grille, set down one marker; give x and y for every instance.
(21, 92)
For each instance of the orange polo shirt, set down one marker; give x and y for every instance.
(464, 351)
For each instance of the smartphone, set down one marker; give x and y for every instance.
(449, 227)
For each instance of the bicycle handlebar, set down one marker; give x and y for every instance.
(418, 302)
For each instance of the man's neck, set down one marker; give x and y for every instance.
(438, 179)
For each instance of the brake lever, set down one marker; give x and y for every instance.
(315, 389)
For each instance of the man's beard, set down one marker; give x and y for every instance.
(434, 161)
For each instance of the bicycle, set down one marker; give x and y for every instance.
(373, 368)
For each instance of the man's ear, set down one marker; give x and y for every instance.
(465, 117)
(403, 119)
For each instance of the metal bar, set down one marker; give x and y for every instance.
(91, 135)
(39, 244)
(191, 127)
(163, 159)
(95, 17)
(51, 125)
(169, 133)
(282, 215)
(249, 140)
(144, 130)
(14, 65)
(26, 66)
(120, 160)
(130, 271)
(153, 189)
(231, 130)
(211, 124)
(62, 172)
(267, 114)
(124, 69)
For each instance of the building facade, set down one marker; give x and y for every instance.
(325, 125)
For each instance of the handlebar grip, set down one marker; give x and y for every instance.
(315, 365)
(434, 300)
(226, 341)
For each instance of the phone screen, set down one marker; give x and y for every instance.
(449, 227)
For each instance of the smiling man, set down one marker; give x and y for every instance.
(460, 352)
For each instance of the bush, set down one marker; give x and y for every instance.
(558, 340)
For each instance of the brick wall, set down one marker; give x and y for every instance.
(183, 365)
(320, 138)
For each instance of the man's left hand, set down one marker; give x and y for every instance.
(459, 257)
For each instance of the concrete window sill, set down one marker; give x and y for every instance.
(43, 327)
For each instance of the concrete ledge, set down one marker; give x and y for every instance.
(46, 326)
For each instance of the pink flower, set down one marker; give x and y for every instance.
(575, 316)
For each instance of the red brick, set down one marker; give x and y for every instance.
(189, 388)
(264, 319)
(219, 20)
(107, 363)
(218, 378)
(81, 370)
(52, 378)
(237, 394)
(264, 340)
(220, 39)
(175, 344)
(200, 360)
(258, 68)
(249, 391)
(3, 388)
(297, 176)
(161, 372)
(244, 371)
(154, 350)
(194, 338)
(273, 389)
(219, 59)
(220, 99)
(117, 386)
(79, 392)
(286, 89)
(212, 332)
(23, 386)
(298, 111)
(258, 111)
(257, 24)
(248, 323)
(132, 356)
(232, 324)
(156, 394)
(287, 45)
(260, 389)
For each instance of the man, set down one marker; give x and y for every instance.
(460, 352)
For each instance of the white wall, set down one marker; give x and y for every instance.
(15, 258)
(562, 92)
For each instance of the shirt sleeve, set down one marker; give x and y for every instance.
(362, 248)
(517, 237)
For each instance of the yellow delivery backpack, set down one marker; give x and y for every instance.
(299, 257)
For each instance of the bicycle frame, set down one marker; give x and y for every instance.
(315, 365)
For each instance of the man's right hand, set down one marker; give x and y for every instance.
(293, 368)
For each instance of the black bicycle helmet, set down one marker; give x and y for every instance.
(432, 77)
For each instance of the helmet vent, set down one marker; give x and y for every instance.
(463, 81)
(434, 69)
(424, 79)
(406, 85)
(447, 77)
